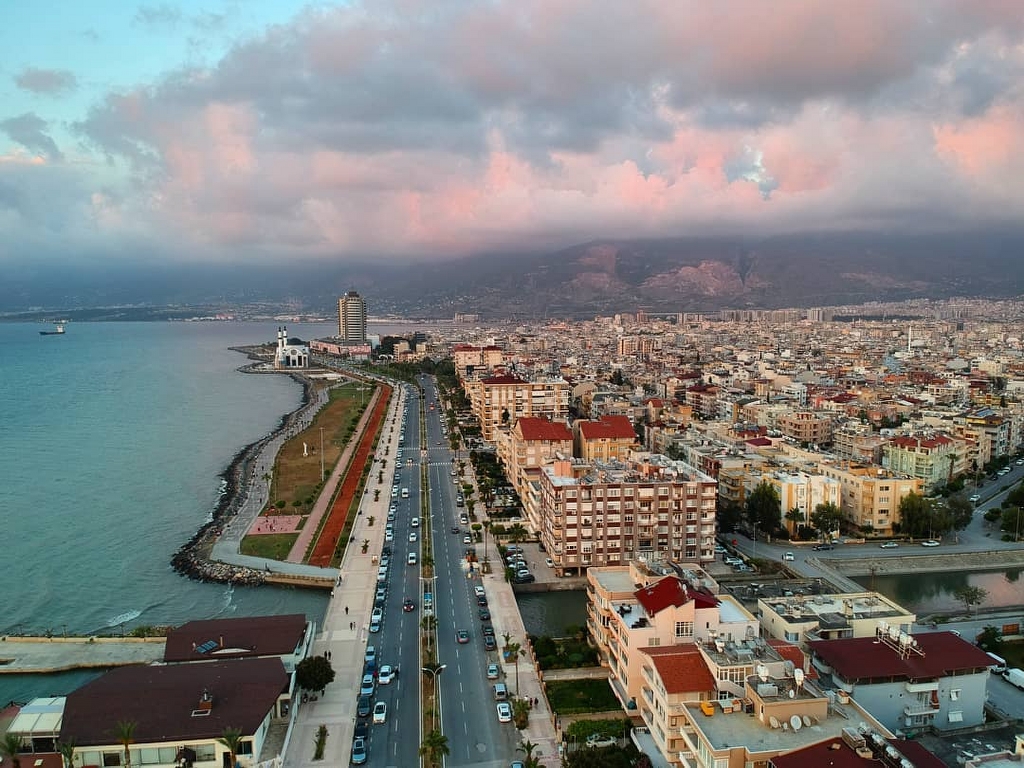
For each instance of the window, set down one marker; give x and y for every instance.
(111, 759)
(954, 694)
(684, 629)
(956, 716)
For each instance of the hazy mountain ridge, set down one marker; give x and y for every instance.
(684, 274)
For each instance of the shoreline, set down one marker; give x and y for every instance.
(193, 558)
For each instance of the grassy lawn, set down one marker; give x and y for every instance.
(570, 697)
(296, 479)
(273, 546)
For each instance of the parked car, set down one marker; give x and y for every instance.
(358, 750)
(493, 673)
(888, 545)
(596, 740)
(504, 712)
(364, 706)
(368, 686)
(490, 644)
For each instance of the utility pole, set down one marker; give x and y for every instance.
(321, 454)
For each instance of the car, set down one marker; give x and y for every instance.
(478, 590)
(504, 712)
(385, 561)
(415, 522)
(371, 654)
(930, 543)
(362, 730)
(375, 625)
(456, 529)
(488, 630)
(386, 675)
(380, 713)
(490, 644)
(527, 578)
(733, 561)
(975, 498)
(452, 472)
(1019, 462)
(485, 615)
(364, 706)
(467, 539)
(888, 545)
(549, 562)
(389, 535)
(408, 605)
(462, 637)
(368, 686)
(411, 559)
(493, 673)
(481, 601)
(378, 614)
(822, 547)
(358, 750)
(596, 740)
(787, 556)
(412, 536)
(517, 764)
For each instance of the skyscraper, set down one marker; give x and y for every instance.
(352, 318)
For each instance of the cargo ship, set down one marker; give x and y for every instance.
(58, 329)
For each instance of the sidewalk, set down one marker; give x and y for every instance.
(345, 628)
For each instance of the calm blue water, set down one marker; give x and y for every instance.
(111, 441)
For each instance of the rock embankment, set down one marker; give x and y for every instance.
(193, 559)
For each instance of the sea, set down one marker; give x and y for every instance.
(112, 440)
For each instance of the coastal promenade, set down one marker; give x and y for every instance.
(28, 655)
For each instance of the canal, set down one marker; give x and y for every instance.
(923, 593)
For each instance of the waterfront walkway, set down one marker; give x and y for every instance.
(27, 655)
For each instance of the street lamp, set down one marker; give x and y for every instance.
(434, 672)
(321, 454)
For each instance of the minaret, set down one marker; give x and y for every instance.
(910, 336)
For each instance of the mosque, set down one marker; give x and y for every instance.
(290, 353)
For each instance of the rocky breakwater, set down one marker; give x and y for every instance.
(193, 559)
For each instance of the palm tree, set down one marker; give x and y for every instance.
(124, 731)
(526, 747)
(515, 650)
(10, 747)
(67, 751)
(231, 738)
(434, 747)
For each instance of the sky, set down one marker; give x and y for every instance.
(271, 130)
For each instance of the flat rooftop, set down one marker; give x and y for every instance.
(614, 581)
(835, 610)
(724, 731)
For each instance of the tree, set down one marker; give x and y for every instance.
(796, 517)
(730, 514)
(231, 739)
(764, 511)
(970, 596)
(529, 760)
(10, 748)
(826, 518)
(67, 751)
(521, 712)
(915, 514)
(314, 673)
(124, 732)
(516, 533)
(512, 652)
(434, 748)
(990, 639)
(320, 742)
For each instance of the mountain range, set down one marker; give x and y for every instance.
(599, 277)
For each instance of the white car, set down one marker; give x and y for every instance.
(386, 674)
(504, 712)
(889, 545)
(380, 713)
(600, 740)
(930, 543)
(411, 560)
(549, 562)
(412, 536)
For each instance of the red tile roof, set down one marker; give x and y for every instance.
(791, 652)
(608, 428)
(681, 668)
(535, 428)
(161, 700)
(835, 753)
(507, 378)
(670, 591)
(922, 442)
(862, 657)
(254, 636)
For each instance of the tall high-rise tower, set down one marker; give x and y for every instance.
(352, 318)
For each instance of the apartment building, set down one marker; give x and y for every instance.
(802, 618)
(910, 683)
(471, 360)
(498, 401)
(870, 496)
(531, 443)
(797, 490)
(933, 458)
(650, 507)
(806, 427)
(632, 609)
(608, 439)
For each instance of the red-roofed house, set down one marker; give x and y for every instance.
(933, 679)
(608, 438)
(837, 753)
(288, 637)
(672, 676)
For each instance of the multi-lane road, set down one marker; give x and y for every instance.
(466, 709)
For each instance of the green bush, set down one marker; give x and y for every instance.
(568, 697)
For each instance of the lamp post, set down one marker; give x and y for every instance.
(321, 454)
(434, 672)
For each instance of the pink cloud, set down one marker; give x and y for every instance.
(984, 145)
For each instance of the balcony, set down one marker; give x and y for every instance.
(920, 708)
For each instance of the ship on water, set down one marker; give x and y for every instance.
(58, 329)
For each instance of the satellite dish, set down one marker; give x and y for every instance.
(798, 676)
(762, 672)
(792, 695)
(807, 721)
(796, 722)
(773, 722)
